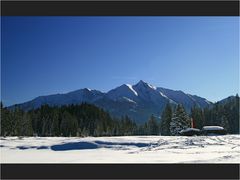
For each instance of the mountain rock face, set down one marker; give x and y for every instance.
(137, 101)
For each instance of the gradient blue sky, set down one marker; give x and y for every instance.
(47, 55)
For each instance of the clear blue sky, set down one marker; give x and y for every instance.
(48, 55)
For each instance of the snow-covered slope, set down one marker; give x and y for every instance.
(138, 101)
(125, 149)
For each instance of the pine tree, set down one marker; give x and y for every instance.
(55, 131)
(165, 120)
(69, 125)
(64, 127)
(179, 121)
(26, 125)
(152, 126)
(5, 121)
(198, 116)
(36, 122)
(18, 120)
(85, 132)
(225, 123)
(99, 130)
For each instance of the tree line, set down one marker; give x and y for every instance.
(73, 120)
(225, 114)
(89, 120)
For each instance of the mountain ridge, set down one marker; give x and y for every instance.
(138, 101)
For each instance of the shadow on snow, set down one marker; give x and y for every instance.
(87, 145)
(74, 146)
(32, 147)
(93, 145)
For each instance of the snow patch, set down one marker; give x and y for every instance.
(163, 95)
(151, 86)
(212, 128)
(130, 87)
(189, 129)
(130, 100)
(208, 102)
(141, 83)
(171, 101)
(133, 110)
(190, 96)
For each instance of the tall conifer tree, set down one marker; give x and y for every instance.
(165, 120)
(180, 121)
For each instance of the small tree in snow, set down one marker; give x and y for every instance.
(180, 121)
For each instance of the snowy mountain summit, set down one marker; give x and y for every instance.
(138, 101)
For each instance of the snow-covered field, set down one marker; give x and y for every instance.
(125, 149)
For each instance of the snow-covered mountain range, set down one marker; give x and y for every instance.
(138, 101)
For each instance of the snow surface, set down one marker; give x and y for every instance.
(125, 149)
(208, 128)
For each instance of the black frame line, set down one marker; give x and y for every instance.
(120, 8)
(120, 171)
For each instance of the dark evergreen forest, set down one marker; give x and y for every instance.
(89, 120)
